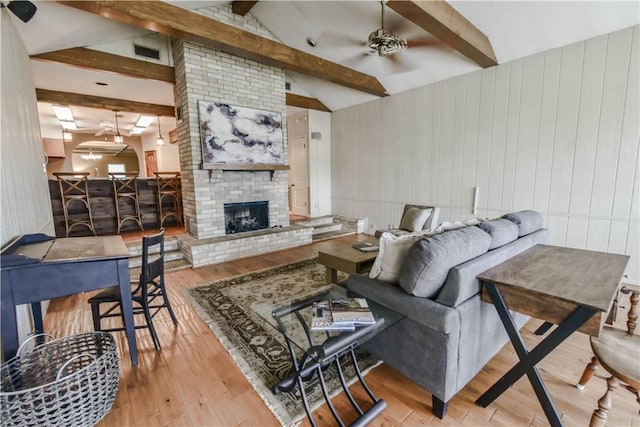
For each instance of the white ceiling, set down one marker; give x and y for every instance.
(515, 28)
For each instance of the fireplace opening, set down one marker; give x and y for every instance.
(243, 217)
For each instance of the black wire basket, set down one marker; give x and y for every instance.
(70, 381)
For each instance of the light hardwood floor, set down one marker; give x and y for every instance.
(193, 381)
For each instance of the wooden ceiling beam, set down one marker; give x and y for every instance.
(171, 20)
(242, 7)
(97, 60)
(91, 101)
(447, 24)
(294, 100)
(84, 58)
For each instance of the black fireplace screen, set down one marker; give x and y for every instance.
(249, 216)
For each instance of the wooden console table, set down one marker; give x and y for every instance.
(572, 288)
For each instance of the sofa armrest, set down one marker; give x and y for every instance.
(424, 311)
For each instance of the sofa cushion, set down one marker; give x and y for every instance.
(424, 311)
(527, 221)
(429, 260)
(502, 231)
(461, 283)
(414, 219)
(392, 253)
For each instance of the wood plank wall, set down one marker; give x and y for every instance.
(557, 132)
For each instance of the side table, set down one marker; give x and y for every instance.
(322, 349)
(346, 258)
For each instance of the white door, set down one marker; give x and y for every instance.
(299, 176)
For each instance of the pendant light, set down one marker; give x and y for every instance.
(159, 140)
(117, 138)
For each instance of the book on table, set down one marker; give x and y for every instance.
(351, 310)
(341, 314)
(366, 246)
(322, 319)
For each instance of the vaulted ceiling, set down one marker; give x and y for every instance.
(337, 72)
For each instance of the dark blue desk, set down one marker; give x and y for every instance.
(56, 268)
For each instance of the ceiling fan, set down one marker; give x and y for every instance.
(385, 42)
(105, 127)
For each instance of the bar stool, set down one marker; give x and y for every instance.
(125, 194)
(169, 188)
(74, 188)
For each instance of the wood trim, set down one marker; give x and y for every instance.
(171, 20)
(306, 102)
(82, 100)
(246, 167)
(94, 59)
(447, 24)
(242, 7)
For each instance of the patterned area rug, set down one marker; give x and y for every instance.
(229, 307)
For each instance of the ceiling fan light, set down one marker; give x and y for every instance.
(386, 43)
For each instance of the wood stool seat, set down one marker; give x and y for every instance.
(125, 194)
(74, 190)
(169, 197)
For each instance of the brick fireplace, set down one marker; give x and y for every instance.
(206, 74)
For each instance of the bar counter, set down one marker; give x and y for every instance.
(103, 208)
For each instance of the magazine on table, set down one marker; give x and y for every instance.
(351, 310)
(322, 319)
(366, 246)
(341, 314)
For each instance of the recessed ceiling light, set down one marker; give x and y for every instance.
(102, 84)
(311, 42)
(62, 112)
(68, 125)
(144, 121)
(136, 130)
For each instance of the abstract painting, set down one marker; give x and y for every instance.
(240, 135)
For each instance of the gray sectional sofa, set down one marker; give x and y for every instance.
(448, 334)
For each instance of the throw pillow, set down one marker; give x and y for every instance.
(527, 221)
(452, 225)
(502, 231)
(414, 219)
(429, 260)
(472, 221)
(392, 253)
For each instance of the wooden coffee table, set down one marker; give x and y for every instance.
(347, 259)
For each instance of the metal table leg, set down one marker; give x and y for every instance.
(528, 360)
(308, 367)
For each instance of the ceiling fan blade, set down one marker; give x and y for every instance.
(428, 44)
(358, 60)
(339, 40)
(401, 63)
(100, 132)
(398, 65)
